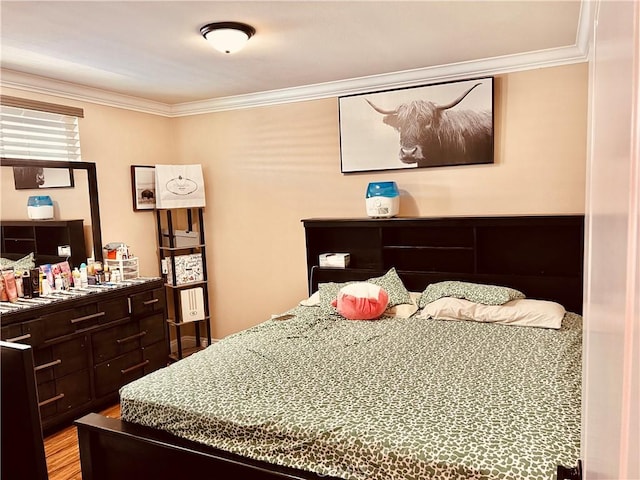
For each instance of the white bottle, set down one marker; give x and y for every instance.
(84, 281)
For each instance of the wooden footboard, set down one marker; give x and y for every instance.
(112, 449)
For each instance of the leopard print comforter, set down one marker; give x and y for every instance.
(393, 399)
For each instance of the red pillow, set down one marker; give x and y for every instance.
(361, 301)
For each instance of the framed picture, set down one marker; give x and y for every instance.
(143, 187)
(31, 178)
(429, 126)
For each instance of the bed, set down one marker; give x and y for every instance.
(310, 394)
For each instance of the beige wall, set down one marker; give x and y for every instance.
(267, 168)
(114, 139)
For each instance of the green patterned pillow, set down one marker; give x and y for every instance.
(328, 293)
(474, 292)
(23, 264)
(390, 282)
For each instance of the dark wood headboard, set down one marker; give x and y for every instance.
(540, 255)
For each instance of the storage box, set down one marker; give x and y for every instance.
(189, 269)
(192, 304)
(128, 267)
(336, 260)
(181, 238)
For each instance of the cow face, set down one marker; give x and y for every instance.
(419, 125)
(40, 176)
(415, 122)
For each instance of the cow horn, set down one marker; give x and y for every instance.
(458, 100)
(380, 110)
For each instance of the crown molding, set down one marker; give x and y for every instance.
(577, 53)
(390, 81)
(73, 91)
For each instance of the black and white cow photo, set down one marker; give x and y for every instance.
(31, 178)
(437, 125)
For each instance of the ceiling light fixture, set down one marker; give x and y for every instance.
(227, 37)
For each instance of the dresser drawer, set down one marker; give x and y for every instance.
(63, 394)
(13, 333)
(110, 376)
(64, 322)
(146, 303)
(115, 309)
(156, 354)
(61, 359)
(116, 340)
(155, 328)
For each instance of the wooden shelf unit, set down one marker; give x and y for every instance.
(193, 219)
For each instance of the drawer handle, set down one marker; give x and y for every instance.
(135, 367)
(48, 365)
(151, 302)
(87, 317)
(17, 339)
(51, 400)
(132, 337)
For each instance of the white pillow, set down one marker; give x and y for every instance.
(312, 301)
(523, 312)
(405, 310)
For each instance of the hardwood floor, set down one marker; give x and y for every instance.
(61, 449)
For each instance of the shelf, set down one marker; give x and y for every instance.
(173, 323)
(173, 249)
(424, 247)
(184, 263)
(186, 285)
(185, 353)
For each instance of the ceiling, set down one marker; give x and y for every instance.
(153, 51)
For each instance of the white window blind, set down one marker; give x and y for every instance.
(39, 131)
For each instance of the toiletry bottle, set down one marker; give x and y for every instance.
(3, 292)
(19, 284)
(35, 282)
(10, 286)
(58, 283)
(26, 284)
(45, 286)
(84, 280)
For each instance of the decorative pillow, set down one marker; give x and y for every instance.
(327, 293)
(361, 301)
(23, 264)
(522, 312)
(391, 282)
(474, 292)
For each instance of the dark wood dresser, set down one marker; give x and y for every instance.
(86, 347)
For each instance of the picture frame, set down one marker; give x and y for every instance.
(143, 187)
(38, 178)
(436, 125)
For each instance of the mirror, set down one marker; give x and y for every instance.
(85, 171)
